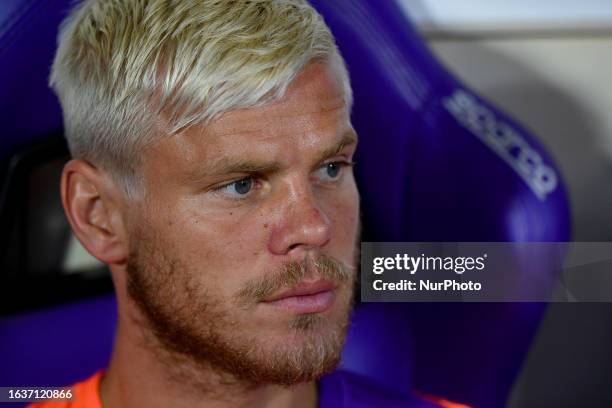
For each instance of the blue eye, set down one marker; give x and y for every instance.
(331, 171)
(243, 186)
(238, 188)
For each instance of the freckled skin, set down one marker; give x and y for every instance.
(298, 216)
(291, 213)
(199, 245)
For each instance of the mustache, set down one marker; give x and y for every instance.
(290, 274)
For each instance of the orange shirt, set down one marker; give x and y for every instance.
(85, 395)
(443, 403)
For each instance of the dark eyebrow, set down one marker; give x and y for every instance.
(348, 139)
(224, 165)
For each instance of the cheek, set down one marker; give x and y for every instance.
(343, 212)
(217, 248)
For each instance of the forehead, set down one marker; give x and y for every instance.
(315, 94)
(313, 111)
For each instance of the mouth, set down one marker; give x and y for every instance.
(306, 297)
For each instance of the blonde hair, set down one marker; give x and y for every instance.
(120, 64)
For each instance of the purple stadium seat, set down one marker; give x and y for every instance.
(437, 163)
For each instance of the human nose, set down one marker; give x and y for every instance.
(302, 225)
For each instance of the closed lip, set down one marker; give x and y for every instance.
(304, 289)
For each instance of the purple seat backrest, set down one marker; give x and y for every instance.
(435, 163)
(28, 108)
(57, 346)
(438, 163)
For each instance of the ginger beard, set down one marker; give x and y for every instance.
(192, 322)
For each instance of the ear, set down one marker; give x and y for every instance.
(92, 202)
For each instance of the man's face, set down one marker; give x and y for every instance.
(236, 215)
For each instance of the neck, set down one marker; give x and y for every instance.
(142, 374)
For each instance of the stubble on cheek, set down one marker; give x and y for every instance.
(193, 327)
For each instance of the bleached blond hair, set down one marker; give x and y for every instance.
(121, 64)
